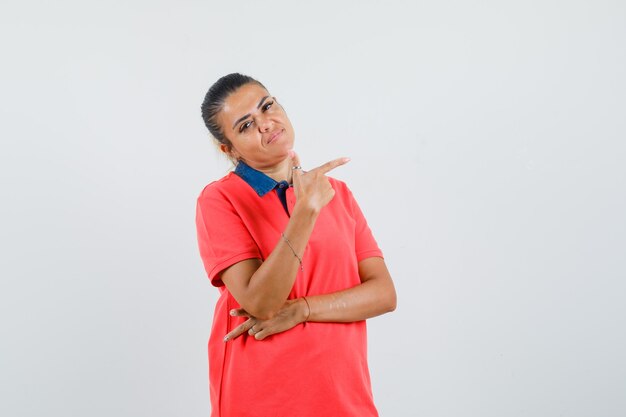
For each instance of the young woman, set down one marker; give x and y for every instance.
(296, 264)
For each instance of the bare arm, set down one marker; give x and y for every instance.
(375, 295)
(261, 288)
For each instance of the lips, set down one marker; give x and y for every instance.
(274, 136)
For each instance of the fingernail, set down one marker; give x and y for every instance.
(291, 152)
(346, 159)
(232, 312)
(225, 338)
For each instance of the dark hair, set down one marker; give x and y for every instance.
(214, 101)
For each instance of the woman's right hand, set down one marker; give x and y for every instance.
(312, 188)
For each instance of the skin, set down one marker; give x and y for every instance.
(262, 135)
(250, 136)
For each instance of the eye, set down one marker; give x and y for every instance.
(245, 126)
(268, 105)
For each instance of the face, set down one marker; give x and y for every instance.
(257, 126)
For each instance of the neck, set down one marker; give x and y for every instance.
(279, 172)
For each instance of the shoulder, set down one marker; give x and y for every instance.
(221, 189)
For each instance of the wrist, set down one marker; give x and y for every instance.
(305, 309)
(306, 211)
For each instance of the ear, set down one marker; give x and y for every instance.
(229, 151)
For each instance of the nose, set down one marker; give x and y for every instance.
(264, 123)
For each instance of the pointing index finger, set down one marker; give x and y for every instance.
(332, 164)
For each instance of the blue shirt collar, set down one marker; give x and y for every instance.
(260, 182)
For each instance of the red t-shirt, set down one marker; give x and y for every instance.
(313, 369)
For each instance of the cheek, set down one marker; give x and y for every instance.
(245, 142)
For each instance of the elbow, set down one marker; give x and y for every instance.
(392, 303)
(262, 311)
(261, 306)
(391, 300)
(264, 315)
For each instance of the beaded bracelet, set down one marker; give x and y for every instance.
(294, 252)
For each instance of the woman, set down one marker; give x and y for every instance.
(296, 264)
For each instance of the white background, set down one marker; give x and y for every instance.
(487, 146)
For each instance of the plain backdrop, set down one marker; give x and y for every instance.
(487, 146)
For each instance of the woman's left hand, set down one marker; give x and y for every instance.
(292, 313)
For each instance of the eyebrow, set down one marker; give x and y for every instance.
(248, 115)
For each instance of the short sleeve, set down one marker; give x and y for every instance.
(365, 244)
(223, 239)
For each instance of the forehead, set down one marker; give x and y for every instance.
(243, 101)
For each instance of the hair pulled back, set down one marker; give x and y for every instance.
(214, 102)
